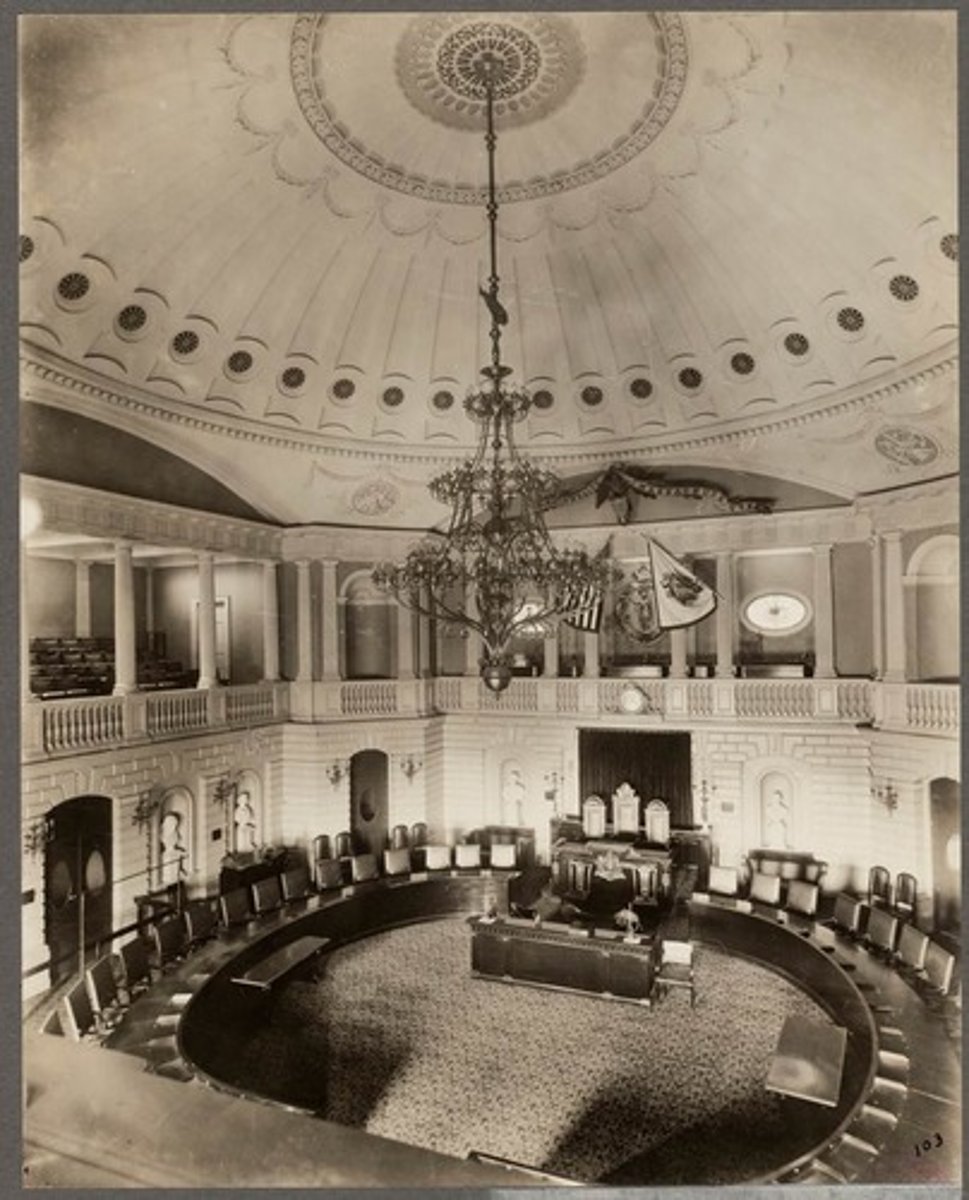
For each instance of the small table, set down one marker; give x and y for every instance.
(808, 1061)
(281, 962)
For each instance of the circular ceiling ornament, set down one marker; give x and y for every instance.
(906, 447)
(536, 66)
(438, 60)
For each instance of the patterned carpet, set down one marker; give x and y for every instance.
(396, 1037)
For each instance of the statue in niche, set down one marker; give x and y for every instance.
(244, 819)
(776, 820)
(171, 848)
(512, 795)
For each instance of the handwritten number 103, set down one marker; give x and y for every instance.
(927, 1144)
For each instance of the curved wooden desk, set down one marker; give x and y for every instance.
(902, 1080)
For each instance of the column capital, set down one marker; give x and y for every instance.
(891, 535)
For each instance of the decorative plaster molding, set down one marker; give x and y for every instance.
(71, 508)
(72, 380)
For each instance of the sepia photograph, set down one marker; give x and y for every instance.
(489, 559)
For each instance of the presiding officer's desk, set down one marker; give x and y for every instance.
(563, 956)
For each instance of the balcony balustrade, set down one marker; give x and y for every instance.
(77, 725)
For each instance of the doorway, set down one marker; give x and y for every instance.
(368, 801)
(946, 891)
(77, 878)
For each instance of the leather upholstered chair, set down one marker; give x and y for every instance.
(171, 940)
(200, 921)
(397, 862)
(504, 856)
(467, 856)
(882, 931)
(906, 892)
(802, 898)
(329, 875)
(321, 847)
(765, 889)
(437, 858)
(913, 945)
(399, 837)
(847, 914)
(102, 990)
(364, 867)
(234, 907)
(879, 887)
(267, 895)
(657, 823)
(135, 967)
(594, 817)
(343, 845)
(938, 971)
(418, 833)
(723, 881)
(296, 884)
(77, 1017)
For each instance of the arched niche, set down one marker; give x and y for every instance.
(369, 628)
(246, 818)
(932, 617)
(173, 837)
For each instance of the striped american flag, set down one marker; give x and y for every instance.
(583, 608)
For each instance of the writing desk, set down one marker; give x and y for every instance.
(281, 962)
(808, 1061)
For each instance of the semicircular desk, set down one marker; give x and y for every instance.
(901, 1076)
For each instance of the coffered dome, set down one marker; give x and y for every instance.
(726, 241)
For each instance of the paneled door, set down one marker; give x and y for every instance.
(77, 870)
(368, 801)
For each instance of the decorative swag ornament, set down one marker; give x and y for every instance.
(495, 572)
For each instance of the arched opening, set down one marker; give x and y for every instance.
(368, 800)
(77, 878)
(932, 584)
(368, 618)
(172, 850)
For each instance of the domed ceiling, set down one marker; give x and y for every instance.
(727, 244)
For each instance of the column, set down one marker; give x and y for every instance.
(208, 677)
(330, 618)
(424, 647)
(725, 615)
(894, 608)
(125, 669)
(678, 653)
(82, 598)
(473, 647)
(550, 652)
(877, 610)
(823, 614)
(590, 655)
(270, 623)
(304, 634)
(405, 642)
(150, 606)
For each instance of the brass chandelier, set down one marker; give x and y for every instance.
(495, 572)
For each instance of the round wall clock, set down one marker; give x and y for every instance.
(631, 699)
(775, 613)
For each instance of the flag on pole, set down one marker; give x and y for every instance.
(681, 598)
(583, 608)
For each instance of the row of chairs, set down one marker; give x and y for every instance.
(901, 898)
(914, 954)
(94, 1005)
(796, 896)
(342, 845)
(333, 872)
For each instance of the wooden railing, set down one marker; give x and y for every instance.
(59, 727)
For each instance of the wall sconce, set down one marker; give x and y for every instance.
(145, 808)
(336, 770)
(36, 836)
(410, 766)
(885, 793)
(226, 790)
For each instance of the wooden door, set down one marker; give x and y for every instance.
(77, 871)
(368, 801)
(944, 800)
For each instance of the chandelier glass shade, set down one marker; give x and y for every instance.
(495, 571)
